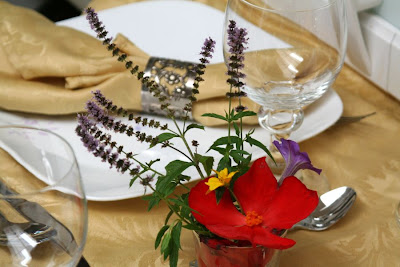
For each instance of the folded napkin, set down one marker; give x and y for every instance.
(50, 69)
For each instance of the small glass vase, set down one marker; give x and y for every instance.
(219, 255)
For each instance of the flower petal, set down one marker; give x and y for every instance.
(256, 187)
(231, 232)
(262, 236)
(295, 160)
(256, 235)
(213, 183)
(292, 203)
(210, 212)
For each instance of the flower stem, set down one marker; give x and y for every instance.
(196, 164)
(237, 201)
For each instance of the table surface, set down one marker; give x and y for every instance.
(363, 155)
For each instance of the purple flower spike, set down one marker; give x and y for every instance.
(295, 160)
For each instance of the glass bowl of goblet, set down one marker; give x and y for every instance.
(295, 51)
(43, 210)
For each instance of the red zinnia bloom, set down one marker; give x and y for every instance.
(266, 205)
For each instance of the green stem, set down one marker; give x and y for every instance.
(176, 149)
(229, 114)
(241, 125)
(237, 201)
(143, 165)
(167, 201)
(196, 164)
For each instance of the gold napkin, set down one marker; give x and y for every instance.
(50, 69)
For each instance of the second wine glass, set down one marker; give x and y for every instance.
(295, 51)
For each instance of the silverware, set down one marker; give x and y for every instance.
(350, 119)
(332, 206)
(37, 231)
(33, 212)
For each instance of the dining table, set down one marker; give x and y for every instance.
(364, 155)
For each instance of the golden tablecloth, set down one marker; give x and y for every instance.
(364, 155)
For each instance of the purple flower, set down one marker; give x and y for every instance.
(207, 50)
(83, 130)
(102, 117)
(237, 39)
(96, 24)
(92, 18)
(295, 160)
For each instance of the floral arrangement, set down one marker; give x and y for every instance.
(232, 204)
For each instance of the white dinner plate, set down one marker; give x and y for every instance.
(171, 29)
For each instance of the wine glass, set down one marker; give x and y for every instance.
(295, 51)
(43, 209)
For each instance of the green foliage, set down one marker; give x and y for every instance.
(194, 126)
(166, 184)
(243, 114)
(169, 237)
(206, 161)
(213, 115)
(257, 143)
(164, 137)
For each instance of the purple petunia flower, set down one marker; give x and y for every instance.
(295, 160)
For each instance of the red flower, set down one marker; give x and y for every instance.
(267, 207)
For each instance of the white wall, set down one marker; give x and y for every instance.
(390, 11)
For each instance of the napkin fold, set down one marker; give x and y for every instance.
(50, 69)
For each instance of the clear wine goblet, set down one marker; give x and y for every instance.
(295, 51)
(43, 209)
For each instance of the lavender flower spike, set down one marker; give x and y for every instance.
(295, 160)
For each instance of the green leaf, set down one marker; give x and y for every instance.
(219, 192)
(257, 143)
(224, 141)
(176, 234)
(237, 157)
(225, 162)
(244, 114)
(153, 200)
(168, 216)
(180, 203)
(185, 210)
(174, 169)
(237, 130)
(173, 256)
(152, 162)
(220, 150)
(213, 115)
(165, 244)
(166, 136)
(246, 163)
(192, 227)
(194, 125)
(133, 180)
(160, 235)
(206, 161)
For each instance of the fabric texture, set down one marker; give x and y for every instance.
(59, 66)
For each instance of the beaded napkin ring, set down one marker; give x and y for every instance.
(176, 80)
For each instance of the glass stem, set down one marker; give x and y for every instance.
(280, 123)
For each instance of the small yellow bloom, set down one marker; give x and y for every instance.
(223, 179)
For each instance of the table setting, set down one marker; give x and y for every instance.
(135, 198)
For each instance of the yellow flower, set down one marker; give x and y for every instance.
(223, 179)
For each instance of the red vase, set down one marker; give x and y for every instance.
(217, 253)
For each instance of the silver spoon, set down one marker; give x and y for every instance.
(37, 231)
(332, 206)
